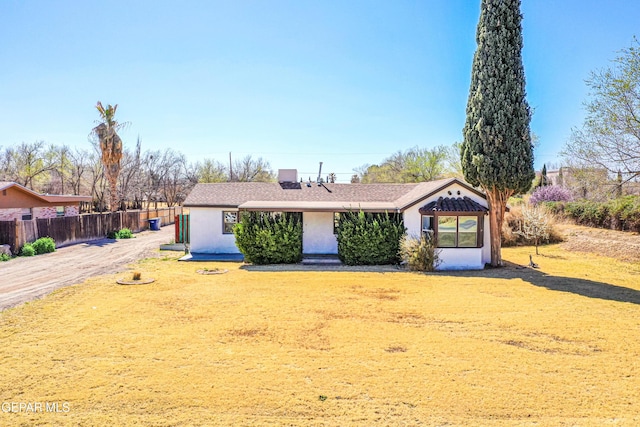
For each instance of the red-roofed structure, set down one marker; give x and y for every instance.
(19, 202)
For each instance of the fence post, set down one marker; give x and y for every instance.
(16, 234)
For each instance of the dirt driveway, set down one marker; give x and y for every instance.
(24, 279)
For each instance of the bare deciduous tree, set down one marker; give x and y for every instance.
(250, 169)
(610, 136)
(28, 164)
(535, 224)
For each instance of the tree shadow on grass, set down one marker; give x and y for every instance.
(583, 287)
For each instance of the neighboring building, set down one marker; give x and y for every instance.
(18, 202)
(456, 212)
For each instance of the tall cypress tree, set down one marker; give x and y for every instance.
(544, 179)
(497, 154)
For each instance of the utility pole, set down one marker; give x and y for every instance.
(230, 168)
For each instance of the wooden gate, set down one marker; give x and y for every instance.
(182, 228)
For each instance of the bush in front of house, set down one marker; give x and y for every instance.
(369, 238)
(44, 245)
(267, 238)
(550, 193)
(420, 253)
(4, 257)
(27, 250)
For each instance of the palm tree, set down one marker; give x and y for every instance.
(111, 149)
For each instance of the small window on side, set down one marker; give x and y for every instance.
(427, 223)
(27, 214)
(229, 220)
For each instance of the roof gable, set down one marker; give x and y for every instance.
(43, 198)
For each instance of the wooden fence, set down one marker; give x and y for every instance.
(74, 229)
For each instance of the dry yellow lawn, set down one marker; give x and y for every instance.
(513, 346)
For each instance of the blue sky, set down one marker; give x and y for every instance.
(295, 82)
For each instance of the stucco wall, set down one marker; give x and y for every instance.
(206, 232)
(317, 233)
(453, 258)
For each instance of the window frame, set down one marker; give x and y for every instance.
(59, 212)
(337, 217)
(27, 214)
(431, 219)
(479, 227)
(225, 223)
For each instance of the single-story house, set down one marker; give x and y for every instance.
(19, 202)
(451, 208)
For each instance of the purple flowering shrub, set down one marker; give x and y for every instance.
(550, 193)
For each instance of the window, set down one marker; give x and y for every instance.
(27, 214)
(336, 222)
(467, 231)
(229, 220)
(456, 231)
(427, 223)
(59, 211)
(447, 231)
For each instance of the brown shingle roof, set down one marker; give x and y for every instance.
(273, 195)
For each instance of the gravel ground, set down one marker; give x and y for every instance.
(622, 245)
(27, 278)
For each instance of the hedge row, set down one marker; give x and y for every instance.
(369, 238)
(622, 213)
(266, 238)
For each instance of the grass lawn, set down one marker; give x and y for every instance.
(512, 346)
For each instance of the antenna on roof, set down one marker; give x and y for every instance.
(319, 180)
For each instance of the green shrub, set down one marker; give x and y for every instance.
(420, 253)
(5, 257)
(267, 238)
(125, 233)
(625, 213)
(369, 239)
(44, 245)
(622, 213)
(27, 250)
(589, 213)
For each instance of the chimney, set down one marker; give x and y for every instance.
(287, 175)
(319, 180)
